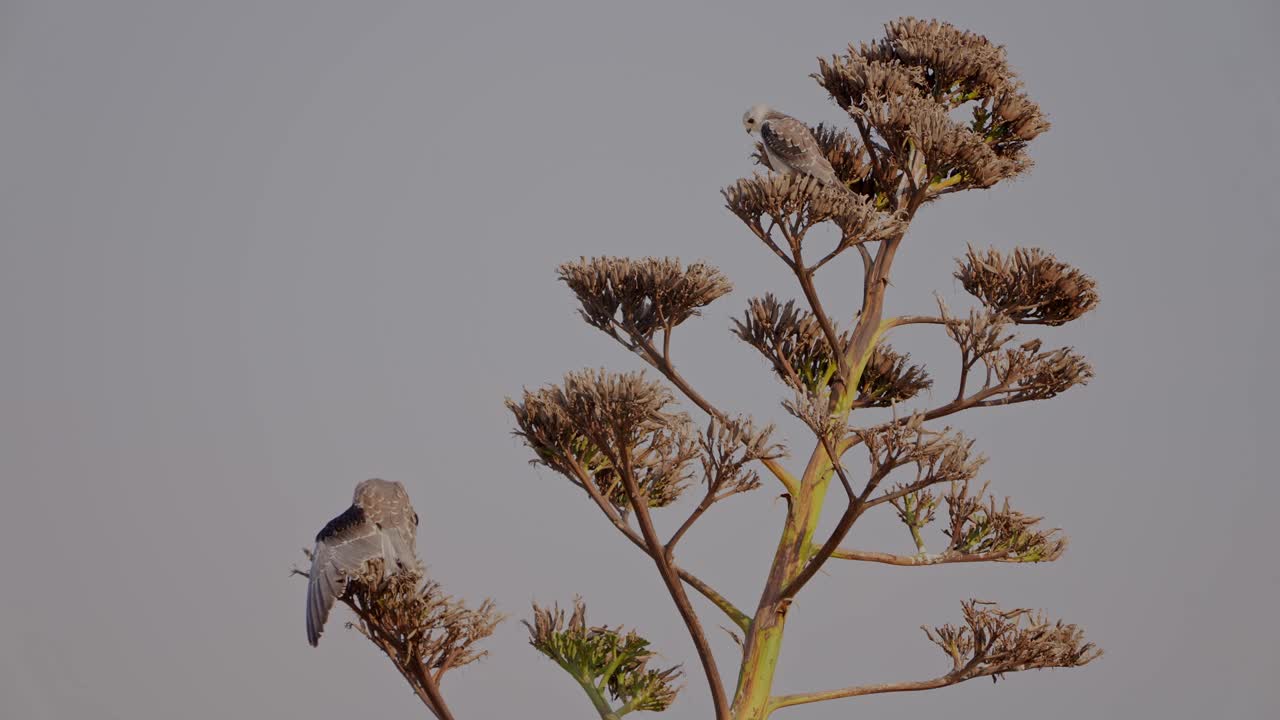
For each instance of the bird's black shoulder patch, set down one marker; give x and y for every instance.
(351, 517)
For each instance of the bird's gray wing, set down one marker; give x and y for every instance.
(791, 141)
(342, 549)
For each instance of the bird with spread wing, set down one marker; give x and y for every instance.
(380, 525)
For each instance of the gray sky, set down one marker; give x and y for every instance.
(252, 253)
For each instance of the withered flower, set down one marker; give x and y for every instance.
(798, 203)
(792, 340)
(994, 641)
(1029, 286)
(982, 528)
(726, 450)
(940, 456)
(904, 87)
(423, 622)
(1035, 375)
(950, 60)
(858, 80)
(642, 296)
(888, 378)
(599, 424)
(603, 659)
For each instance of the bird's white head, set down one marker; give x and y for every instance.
(755, 117)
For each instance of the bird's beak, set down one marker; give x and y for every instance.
(748, 130)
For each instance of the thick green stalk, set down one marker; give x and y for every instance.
(599, 701)
(763, 645)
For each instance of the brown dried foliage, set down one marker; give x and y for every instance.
(994, 641)
(1029, 287)
(940, 456)
(792, 340)
(797, 203)
(1031, 374)
(903, 89)
(644, 295)
(1004, 534)
(889, 378)
(598, 423)
(420, 621)
(726, 450)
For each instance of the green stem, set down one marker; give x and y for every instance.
(599, 701)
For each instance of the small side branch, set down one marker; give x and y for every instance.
(737, 616)
(674, 585)
(662, 363)
(783, 701)
(922, 560)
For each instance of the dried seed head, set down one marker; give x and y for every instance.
(1036, 375)
(939, 456)
(792, 340)
(905, 87)
(421, 622)
(993, 642)
(727, 448)
(985, 528)
(642, 296)
(803, 202)
(1029, 286)
(598, 424)
(888, 378)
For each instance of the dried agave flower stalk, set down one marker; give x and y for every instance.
(603, 660)
(936, 110)
(642, 296)
(425, 632)
(1029, 286)
(994, 641)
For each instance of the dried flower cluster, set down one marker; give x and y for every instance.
(727, 448)
(602, 658)
(1004, 534)
(1034, 375)
(642, 296)
(939, 456)
(420, 621)
(994, 641)
(598, 425)
(797, 203)
(889, 378)
(934, 110)
(1016, 374)
(1029, 286)
(904, 88)
(791, 339)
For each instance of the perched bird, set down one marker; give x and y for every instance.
(380, 525)
(790, 145)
